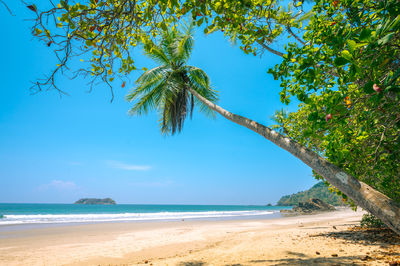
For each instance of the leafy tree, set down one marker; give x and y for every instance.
(314, 64)
(108, 30)
(347, 78)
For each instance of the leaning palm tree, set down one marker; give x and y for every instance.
(173, 89)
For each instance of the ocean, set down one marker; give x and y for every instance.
(26, 213)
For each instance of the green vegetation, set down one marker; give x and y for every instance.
(347, 80)
(166, 88)
(341, 61)
(370, 221)
(318, 191)
(92, 201)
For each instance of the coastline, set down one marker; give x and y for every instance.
(36, 215)
(276, 241)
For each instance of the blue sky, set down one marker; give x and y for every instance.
(58, 149)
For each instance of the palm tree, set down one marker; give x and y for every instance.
(167, 87)
(174, 88)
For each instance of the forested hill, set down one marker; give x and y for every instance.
(319, 191)
(91, 201)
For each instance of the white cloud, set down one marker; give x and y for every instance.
(60, 185)
(130, 167)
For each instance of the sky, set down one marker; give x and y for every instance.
(58, 149)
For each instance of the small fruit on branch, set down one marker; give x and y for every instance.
(328, 117)
(377, 88)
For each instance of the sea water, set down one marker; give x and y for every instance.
(25, 213)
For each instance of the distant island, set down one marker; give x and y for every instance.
(92, 201)
(318, 191)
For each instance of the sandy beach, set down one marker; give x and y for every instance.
(321, 239)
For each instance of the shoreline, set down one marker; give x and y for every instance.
(223, 242)
(28, 226)
(28, 214)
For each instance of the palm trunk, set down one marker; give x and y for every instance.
(363, 195)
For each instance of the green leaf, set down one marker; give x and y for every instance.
(386, 38)
(163, 26)
(365, 34)
(352, 45)
(200, 21)
(306, 16)
(347, 55)
(368, 87)
(340, 61)
(313, 116)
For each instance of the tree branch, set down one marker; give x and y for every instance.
(9, 10)
(270, 49)
(294, 35)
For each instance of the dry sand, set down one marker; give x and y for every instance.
(321, 239)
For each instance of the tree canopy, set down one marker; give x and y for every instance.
(347, 80)
(107, 31)
(341, 61)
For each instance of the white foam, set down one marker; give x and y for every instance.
(111, 217)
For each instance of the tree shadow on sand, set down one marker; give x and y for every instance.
(297, 258)
(369, 237)
(192, 263)
(342, 261)
(200, 263)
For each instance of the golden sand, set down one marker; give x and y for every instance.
(321, 239)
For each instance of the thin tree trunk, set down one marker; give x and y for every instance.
(363, 195)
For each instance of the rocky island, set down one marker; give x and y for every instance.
(93, 201)
(310, 207)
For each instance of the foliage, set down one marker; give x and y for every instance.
(166, 87)
(319, 191)
(105, 32)
(370, 221)
(347, 80)
(341, 63)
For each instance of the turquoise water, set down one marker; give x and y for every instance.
(13, 213)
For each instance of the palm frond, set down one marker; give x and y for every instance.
(148, 101)
(150, 79)
(175, 109)
(166, 88)
(168, 43)
(156, 53)
(198, 76)
(204, 109)
(200, 82)
(153, 74)
(185, 43)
